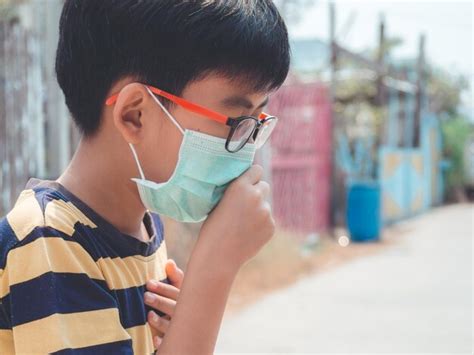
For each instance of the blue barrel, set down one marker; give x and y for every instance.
(364, 211)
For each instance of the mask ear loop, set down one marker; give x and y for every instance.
(138, 164)
(172, 120)
(166, 111)
(137, 161)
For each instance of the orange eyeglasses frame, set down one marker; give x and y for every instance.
(209, 114)
(190, 106)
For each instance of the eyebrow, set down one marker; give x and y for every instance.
(241, 101)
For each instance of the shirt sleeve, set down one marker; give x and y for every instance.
(58, 301)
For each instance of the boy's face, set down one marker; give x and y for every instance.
(142, 122)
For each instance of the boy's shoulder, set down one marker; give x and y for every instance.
(39, 209)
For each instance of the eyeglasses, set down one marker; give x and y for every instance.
(242, 128)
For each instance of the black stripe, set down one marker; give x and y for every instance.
(95, 243)
(119, 347)
(8, 240)
(123, 245)
(53, 293)
(131, 305)
(5, 322)
(115, 244)
(133, 310)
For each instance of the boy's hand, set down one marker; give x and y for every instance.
(240, 225)
(163, 298)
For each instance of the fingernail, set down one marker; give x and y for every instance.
(149, 297)
(154, 282)
(154, 317)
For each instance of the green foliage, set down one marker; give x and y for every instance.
(455, 134)
(444, 90)
(8, 9)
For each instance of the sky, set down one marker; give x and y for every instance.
(448, 26)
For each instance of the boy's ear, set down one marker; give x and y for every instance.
(128, 112)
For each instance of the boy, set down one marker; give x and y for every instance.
(169, 93)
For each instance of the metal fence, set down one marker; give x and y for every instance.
(36, 134)
(301, 157)
(21, 110)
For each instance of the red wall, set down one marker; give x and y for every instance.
(301, 157)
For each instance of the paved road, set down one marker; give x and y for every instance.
(414, 297)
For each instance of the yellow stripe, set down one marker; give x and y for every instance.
(6, 342)
(142, 339)
(4, 285)
(74, 330)
(45, 255)
(25, 215)
(162, 252)
(59, 255)
(121, 273)
(60, 215)
(63, 216)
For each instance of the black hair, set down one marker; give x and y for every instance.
(165, 43)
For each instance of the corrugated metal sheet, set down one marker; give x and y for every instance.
(301, 157)
(21, 111)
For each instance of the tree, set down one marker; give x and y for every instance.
(444, 90)
(456, 132)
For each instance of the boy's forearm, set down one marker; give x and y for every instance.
(200, 306)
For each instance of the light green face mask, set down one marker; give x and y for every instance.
(203, 172)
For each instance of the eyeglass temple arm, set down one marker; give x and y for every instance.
(185, 104)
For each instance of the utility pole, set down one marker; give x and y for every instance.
(380, 63)
(420, 82)
(380, 98)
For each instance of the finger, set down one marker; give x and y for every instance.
(159, 323)
(160, 303)
(162, 289)
(174, 273)
(157, 340)
(253, 174)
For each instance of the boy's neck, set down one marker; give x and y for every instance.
(99, 182)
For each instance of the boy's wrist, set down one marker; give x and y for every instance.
(213, 262)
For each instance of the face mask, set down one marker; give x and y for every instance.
(203, 172)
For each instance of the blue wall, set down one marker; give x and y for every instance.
(411, 178)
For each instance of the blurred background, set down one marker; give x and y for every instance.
(371, 168)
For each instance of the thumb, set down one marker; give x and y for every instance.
(174, 273)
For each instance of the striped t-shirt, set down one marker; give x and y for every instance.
(70, 282)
